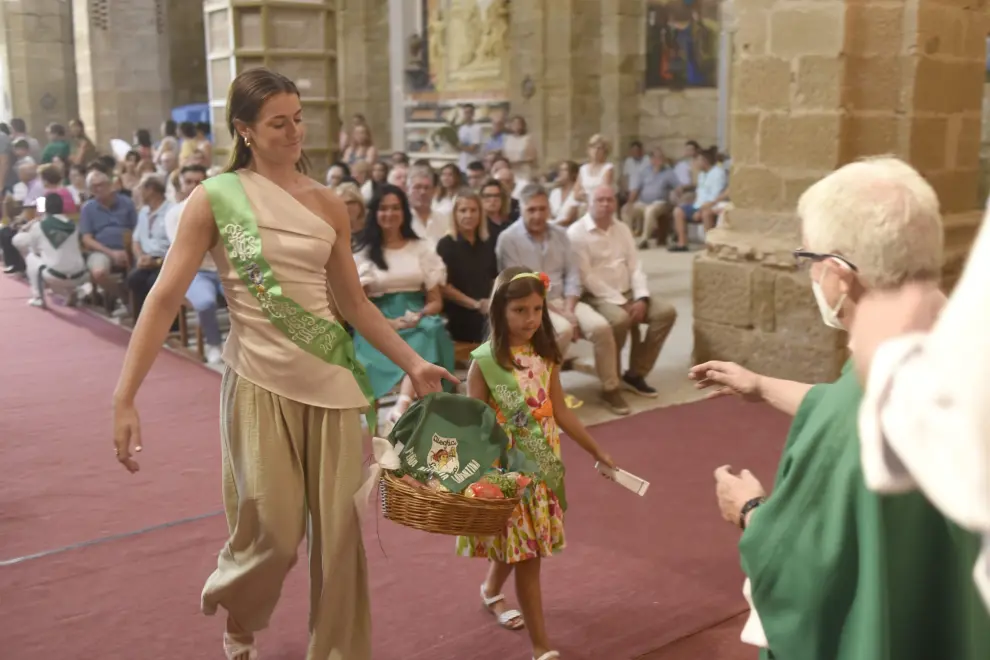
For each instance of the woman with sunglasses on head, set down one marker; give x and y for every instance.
(834, 570)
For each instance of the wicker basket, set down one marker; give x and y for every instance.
(443, 513)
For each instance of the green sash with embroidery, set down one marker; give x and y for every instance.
(238, 228)
(520, 423)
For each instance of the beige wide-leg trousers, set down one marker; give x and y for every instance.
(283, 460)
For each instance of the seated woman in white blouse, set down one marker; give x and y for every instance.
(402, 276)
(565, 207)
(597, 171)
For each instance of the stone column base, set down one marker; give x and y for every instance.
(752, 306)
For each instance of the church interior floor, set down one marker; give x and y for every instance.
(115, 561)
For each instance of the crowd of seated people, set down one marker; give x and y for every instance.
(119, 204)
(428, 242)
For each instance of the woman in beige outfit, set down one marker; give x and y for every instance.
(292, 391)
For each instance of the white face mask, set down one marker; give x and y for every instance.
(830, 315)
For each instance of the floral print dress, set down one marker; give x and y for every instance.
(536, 528)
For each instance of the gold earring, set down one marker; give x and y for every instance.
(247, 142)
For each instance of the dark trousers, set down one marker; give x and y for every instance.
(139, 282)
(11, 255)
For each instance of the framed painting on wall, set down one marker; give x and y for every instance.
(682, 43)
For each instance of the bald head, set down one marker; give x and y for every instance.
(99, 186)
(603, 205)
(27, 172)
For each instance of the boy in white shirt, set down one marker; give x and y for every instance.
(54, 257)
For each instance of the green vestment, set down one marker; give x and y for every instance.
(842, 573)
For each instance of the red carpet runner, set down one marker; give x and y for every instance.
(638, 573)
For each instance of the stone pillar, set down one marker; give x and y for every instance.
(363, 35)
(815, 86)
(186, 52)
(122, 66)
(37, 71)
(555, 73)
(298, 40)
(622, 70)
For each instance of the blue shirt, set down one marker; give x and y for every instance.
(552, 255)
(656, 186)
(495, 143)
(108, 224)
(711, 184)
(152, 230)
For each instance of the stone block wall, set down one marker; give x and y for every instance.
(38, 59)
(669, 118)
(575, 66)
(363, 35)
(186, 52)
(122, 66)
(817, 85)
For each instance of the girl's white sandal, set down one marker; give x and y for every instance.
(506, 618)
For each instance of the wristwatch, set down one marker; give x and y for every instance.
(747, 507)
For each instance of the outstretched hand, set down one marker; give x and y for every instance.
(726, 378)
(427, 378)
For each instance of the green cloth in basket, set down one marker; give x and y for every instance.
(456, 440)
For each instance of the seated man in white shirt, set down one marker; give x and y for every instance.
(426, 222)
(615, 286)
(54, 256)
(713, 184)
(539, 245)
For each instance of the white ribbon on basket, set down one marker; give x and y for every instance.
(386, 458)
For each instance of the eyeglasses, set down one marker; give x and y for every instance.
(816, 257)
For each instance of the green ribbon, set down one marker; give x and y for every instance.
(519, 421)
(238, 228)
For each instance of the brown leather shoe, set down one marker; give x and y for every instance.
(614, 402)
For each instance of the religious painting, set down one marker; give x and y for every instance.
(682, 40)
(459, 46)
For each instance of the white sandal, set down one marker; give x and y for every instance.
(549, 655)
(237, 650)
(506, 618)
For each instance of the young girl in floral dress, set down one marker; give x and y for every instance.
(518, 373)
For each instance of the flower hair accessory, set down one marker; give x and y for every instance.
(543, 277)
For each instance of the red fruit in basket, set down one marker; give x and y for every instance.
(523, 481)
(485, 490)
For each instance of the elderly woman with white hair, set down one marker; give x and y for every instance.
(832, 568)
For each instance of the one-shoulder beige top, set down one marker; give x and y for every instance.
(297, 244)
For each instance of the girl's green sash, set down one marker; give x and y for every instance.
(520, 423)
(238, 228)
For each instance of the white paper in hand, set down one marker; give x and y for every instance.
(625, 479)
